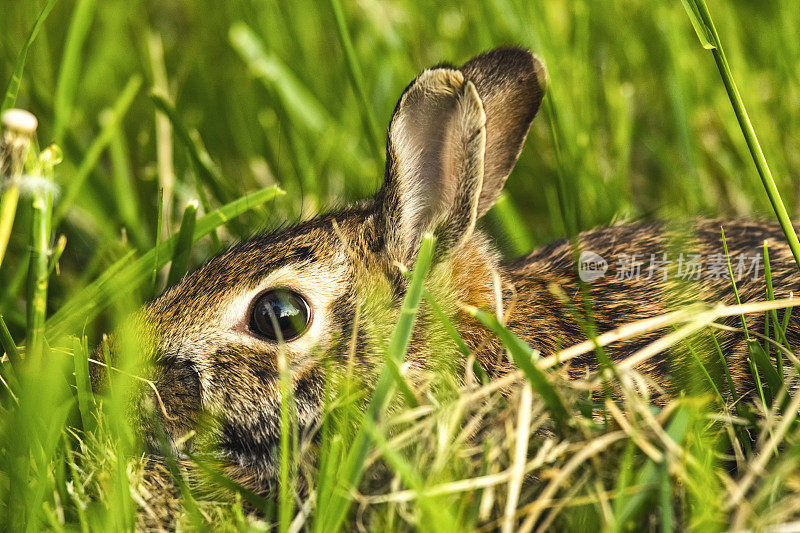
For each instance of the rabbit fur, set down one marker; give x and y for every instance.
(454, 138)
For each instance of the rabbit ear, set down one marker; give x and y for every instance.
(434, 164)
(511, 83)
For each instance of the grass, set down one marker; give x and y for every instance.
(178, 132)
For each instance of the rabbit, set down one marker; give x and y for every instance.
(328, 291)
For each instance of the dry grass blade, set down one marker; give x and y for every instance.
(520, 453)
(766, 453)
(634, 433)
(639, 327)
(533, 511)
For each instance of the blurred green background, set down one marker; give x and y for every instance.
(637, 123)
(211, 101)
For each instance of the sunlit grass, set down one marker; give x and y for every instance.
(272, 112)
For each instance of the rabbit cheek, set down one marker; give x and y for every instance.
(174, 405)
(247, 405)
(241, 393)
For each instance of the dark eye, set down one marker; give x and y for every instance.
(285, 308)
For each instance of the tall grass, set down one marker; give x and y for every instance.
(184, 130)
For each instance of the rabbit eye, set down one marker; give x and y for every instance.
(286, 309)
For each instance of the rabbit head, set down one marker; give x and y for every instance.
(327, 292)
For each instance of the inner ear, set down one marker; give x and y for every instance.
(434, 163)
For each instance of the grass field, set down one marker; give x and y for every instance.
(252, 115)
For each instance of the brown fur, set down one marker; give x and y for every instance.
(615, 302)
(454, 138)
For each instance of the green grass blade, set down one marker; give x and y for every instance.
(72, 188)
(128, 276)
(702, 368)
(14, 286)
(78, 494)
(298, 100)
(747, 127)
(204, 203)
(624, 480)
(80, 352)
(733, 279)
(210, 173)
(441, 518)
(288, 449)
(188, 501)
(38, 271)
(780, 334)
(159, 222)
(665, 500)
(394, 368)
(524, 356)
(452, 332)
(743, 439)
(372, 131)
(513, 225)
(9, 200)
(7, 342)
(570, 214)
(706, 39)
(648, 476)
(401, 335)
(16, 77)
(787, 314)
(765, 368)
(125, 190)
(336, 509)
(753, 368)
(8, 373)
(183, 246)
(213, 473)
(70, 71)
(56, 253)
